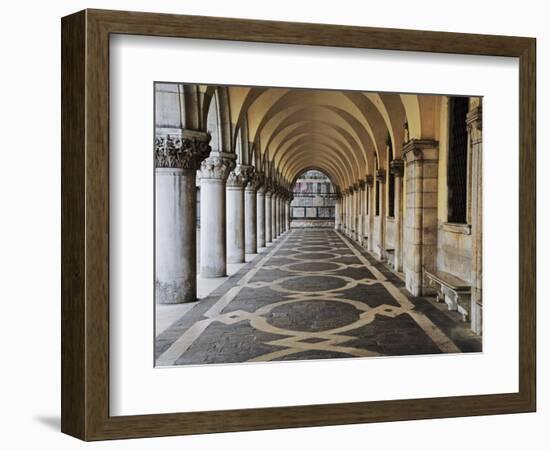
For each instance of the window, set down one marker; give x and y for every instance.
(457, 163)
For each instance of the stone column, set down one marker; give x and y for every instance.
(349, 213)
(268, 195)
(176, 162)
(345, 211)
(250, 214)
(397, 169)
(365, 229)
(337, 214)
(381, 178)
(213, 175)
(369, 180)
(236, 182)
(420, 231)
(274, 214)
(260, 215)
(361, 212)
(474, 122)
(289, 200)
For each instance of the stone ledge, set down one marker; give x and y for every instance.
(459, 228)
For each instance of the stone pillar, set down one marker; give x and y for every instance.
(349, 213)
(274, 214)
(365, 219)
(268, 195)
(250, 214)
(381, 178)
(337, 214)
(289, 200)
(236, 182)
(176, 162)
(277, 214)
(361, 213)
(397, 169)
(420, 231)
(369, 180)
(474, 123)
(213, 175)
(260, 215)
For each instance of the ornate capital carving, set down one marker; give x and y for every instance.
(396, 167)
(420, 149)
(362, 184)
(217, 166)
(381, 175)
(474, 123)
(240, 176)
(186, 152)
(256, 182)
(369, 180)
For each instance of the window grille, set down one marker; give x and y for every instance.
(457, 163)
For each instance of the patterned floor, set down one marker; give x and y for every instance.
(313, 295)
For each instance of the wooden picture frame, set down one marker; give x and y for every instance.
(85, 224)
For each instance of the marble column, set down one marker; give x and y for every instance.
(176, 162)
(348, 212)
(260, 215)
(267, 209)
(337, 213)
(381, 250)
(236, 182)
(365, 219)
(274, 214)
(474, 123)
(250, 214)
(369, 181)
(276, 219)
(397, 169)
(360, 213)
(288, 202)
(420, 225)
(213, 175)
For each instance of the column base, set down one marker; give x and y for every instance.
(174, 293)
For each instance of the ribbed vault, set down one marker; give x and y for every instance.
(282, 132)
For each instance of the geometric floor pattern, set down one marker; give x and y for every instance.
(314, 295)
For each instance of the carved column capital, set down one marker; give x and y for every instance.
(268, 187)
(474, 123)
(362, 185)
(186, 152)
(240, 176)
(256, 181)
(396, 167)
(420, 149)
(381, 175)
(369, 180)
(217, 166)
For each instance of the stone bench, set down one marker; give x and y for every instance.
(454, 291)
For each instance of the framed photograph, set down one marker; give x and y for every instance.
(273, 225)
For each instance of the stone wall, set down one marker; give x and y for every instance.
(305, 223)
(454, 250)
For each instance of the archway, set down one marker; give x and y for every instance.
(314, 202)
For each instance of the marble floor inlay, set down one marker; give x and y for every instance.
(313, 295)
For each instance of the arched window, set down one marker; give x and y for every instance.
(457, 162)
(213, 123)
